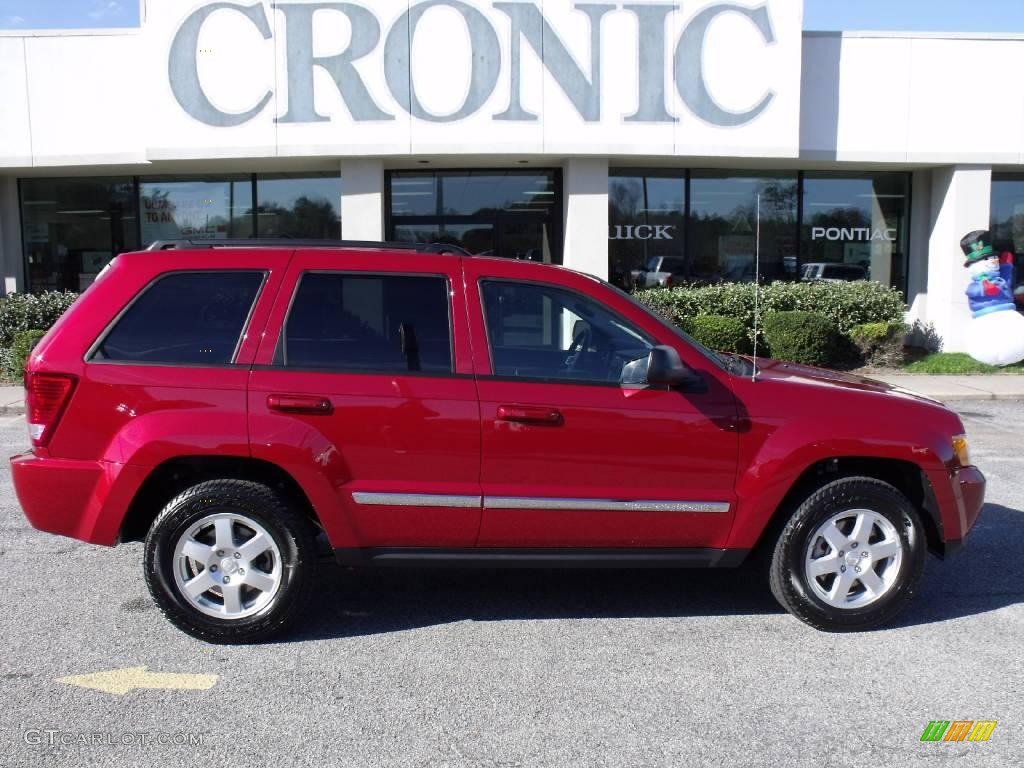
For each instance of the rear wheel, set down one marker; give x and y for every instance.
(850, 557)
(229, 561)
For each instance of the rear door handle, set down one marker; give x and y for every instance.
(530, 414)
(314, 404)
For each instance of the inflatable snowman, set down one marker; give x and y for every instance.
(996, 335)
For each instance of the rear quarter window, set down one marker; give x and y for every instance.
(183, 318)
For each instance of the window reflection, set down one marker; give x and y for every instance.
(723, 224)
(1008, 223)
(857, 221)
(646, 234)
(174, 208)
(509, 213)
(471, 193)
(299, 205)
(72, 227)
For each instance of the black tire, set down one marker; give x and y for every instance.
(291, 533)
(788, 574)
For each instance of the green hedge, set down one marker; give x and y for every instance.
(19, 352)
(24, 313)
(726, 334)
(850, 308)
(31, 311)
(809, 338)
(881, 344)
(847, 304)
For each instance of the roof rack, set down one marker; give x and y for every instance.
(252, 242)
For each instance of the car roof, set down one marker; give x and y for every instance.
(409, 251)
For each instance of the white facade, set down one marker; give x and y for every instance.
(363, 89)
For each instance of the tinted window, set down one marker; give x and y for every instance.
(379, 323)
(190, 317)
(539, 331)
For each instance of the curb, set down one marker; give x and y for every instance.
(980, 396)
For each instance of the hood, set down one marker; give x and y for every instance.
(777, 370)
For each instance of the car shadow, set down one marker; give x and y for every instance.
(351, 603)
(370, 601)
(988, 574)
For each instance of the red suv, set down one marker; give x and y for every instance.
(230, 404)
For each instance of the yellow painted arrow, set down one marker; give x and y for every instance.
(121, 681)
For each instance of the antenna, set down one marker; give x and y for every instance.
(757, 281)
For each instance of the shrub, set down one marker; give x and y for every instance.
(880, 344)
(727, 334)
(20, 349)
(809, 338)
(847, 304)
(29, 311)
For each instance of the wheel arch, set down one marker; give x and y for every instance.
(171, 477)
(905, 476)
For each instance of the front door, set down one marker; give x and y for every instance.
(368, 392)
(572, 458)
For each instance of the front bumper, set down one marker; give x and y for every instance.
(84, 500)
(969, 493)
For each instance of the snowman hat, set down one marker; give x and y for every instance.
(977, 246)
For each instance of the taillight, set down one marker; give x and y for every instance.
(668, 281)
(46, 396)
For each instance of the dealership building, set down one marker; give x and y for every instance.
(598, 135)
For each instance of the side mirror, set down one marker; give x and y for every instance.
(665, 368)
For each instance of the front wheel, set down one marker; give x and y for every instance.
(230, 561)
(850, 557)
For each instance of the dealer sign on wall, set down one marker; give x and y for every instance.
(699, 78)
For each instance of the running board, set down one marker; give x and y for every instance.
(417, 557)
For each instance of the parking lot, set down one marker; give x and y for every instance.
(607, 668)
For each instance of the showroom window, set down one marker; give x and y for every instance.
(723, 226)
(646, 228)
(511, 213)
(206, 208)
(72, 227)
(858, 221)
(1008, 222)
(298, 205)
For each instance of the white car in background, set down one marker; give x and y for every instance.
(661, 272)
(835, 273)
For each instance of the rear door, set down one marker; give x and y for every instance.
(363, 389)
(571, 457)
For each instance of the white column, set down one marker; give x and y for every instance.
(920, 233)
(960, 203)
(362, 199)
(11, 260)
(585, 196)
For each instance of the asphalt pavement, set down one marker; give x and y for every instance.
(518, 668)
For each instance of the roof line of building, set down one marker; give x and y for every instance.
(918, 35)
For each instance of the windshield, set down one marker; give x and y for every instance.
(654, 264)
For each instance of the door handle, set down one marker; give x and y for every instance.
(314, 404)
(530, 414)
